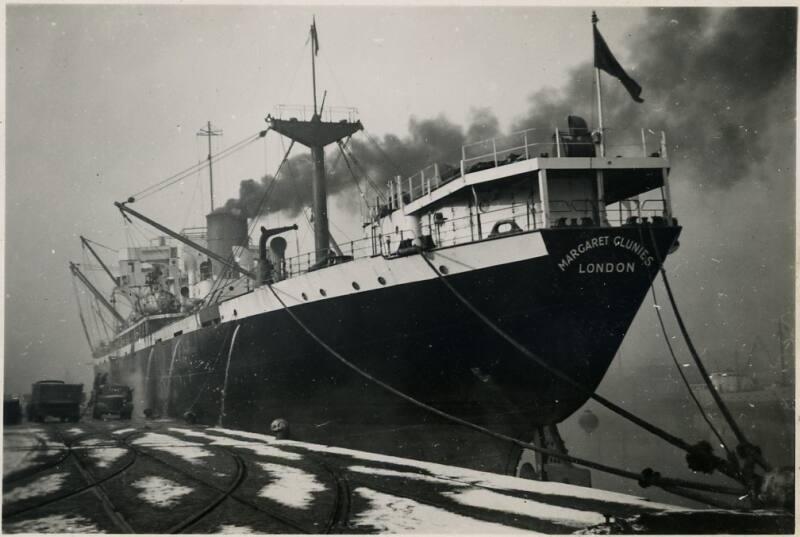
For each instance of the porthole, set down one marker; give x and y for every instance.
(443, 269)
(322, 292)
(381, 280)
(305, 296)
(356, 286)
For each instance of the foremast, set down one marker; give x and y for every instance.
(316, 135)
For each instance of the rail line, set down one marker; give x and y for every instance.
(340, 514)
(227, 492)
(92, 483)
(13, 477)
(241, 472)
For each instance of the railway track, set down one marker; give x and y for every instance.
(140, 459)
(91, 482)
(224, 493)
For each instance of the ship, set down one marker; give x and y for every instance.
(549, 238)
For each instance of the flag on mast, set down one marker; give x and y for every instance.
(605, 60)
(314, 38)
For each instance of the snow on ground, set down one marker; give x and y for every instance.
(123, 431)
(159, 491)
(394, 514)
(496, 481)
(75, 430)
(469, 477)
(105, 457)
(487, 499)
(39, 487)
(53, 524)
(30, 430)
(256, 447)
(243, 434)
(16, 459)
(189, 451)
(291, 486)
(93, 442)
(29, 437)
(232, 528)
(369, 470)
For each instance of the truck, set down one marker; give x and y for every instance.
(55, 398)
(12, 410)
(113, 399)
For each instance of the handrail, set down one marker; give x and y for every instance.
(306, 112)
(477, 225)
(530, 143)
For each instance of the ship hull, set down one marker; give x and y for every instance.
(570, 307)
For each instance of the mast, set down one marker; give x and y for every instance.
(97, 294)
(314, 51)
(209, 132)
(316, 134)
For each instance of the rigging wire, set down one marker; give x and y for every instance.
(332, 73)
(369, 180)
(95, 316)
(298, 63)
(683, 376)
(744, 443)
(664, 435)
(217, 160)
(646, 478)
(93, 301)
(352, 174)
(195, 168)
(264, 197)
(80, 314)
(191, 200)
(385, 155)
(100, 245)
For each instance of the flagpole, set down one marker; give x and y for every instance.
(599, 99)
(313, 66)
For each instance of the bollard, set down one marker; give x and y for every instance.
(280, 428)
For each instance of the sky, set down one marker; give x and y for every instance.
(103, 101)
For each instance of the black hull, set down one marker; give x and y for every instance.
(420, 339)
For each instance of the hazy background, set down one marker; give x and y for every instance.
(103, 101)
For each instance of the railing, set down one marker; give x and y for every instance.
(306, 113)
(524, 145)
(625, 212)
(478, 225)
(506, 149)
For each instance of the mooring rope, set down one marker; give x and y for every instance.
(748, 449)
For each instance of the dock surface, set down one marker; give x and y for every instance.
(163, 476)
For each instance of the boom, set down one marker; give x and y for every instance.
(97, 294)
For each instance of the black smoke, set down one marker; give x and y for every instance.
(428, 141)
(719, 81)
